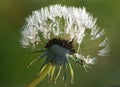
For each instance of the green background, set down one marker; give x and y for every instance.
(13, 62)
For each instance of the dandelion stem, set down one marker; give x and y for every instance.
(43, 74)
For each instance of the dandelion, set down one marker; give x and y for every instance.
(63, 34)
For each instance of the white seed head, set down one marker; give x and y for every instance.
(63, 33)
(69, 23)
(57, 20)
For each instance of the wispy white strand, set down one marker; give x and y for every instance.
(104, 42)
(104, 51)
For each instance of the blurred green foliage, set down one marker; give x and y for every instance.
(13, 62)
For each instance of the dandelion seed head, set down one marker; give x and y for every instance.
(62, 33)
(57, 20)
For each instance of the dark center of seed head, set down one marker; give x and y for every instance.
(59, 45)
(58, 50)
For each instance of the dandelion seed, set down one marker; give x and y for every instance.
(60, 32)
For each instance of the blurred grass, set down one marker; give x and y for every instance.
(13, 73)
